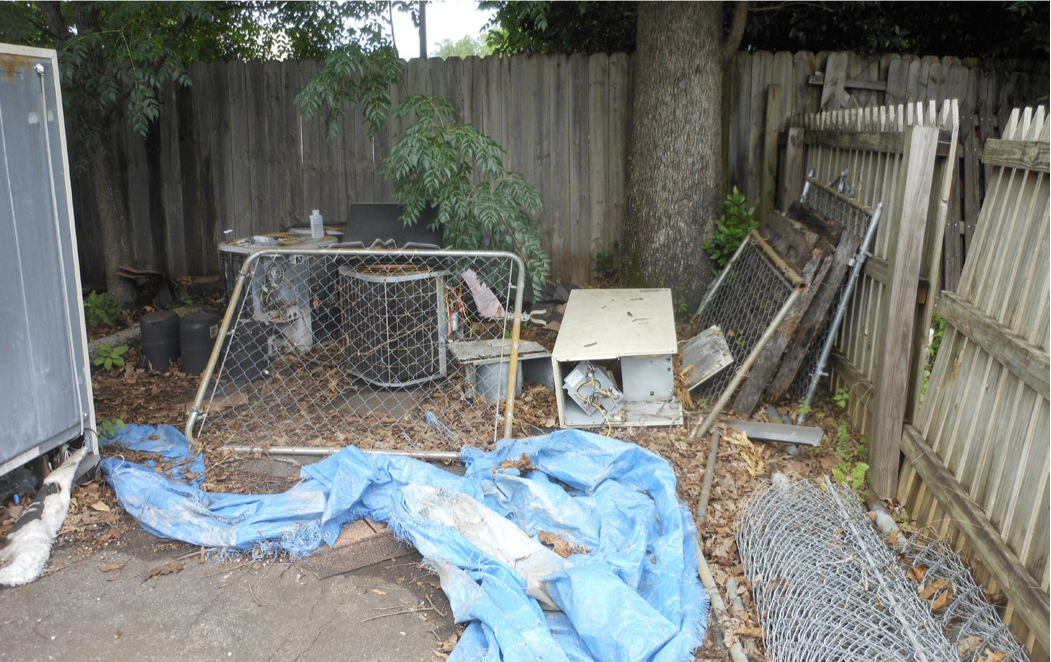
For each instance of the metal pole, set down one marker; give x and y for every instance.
(718, 606)
(706, 490)
(722, 275)
(706, 424)
(826, 350)
(217, 349)
(307, 451)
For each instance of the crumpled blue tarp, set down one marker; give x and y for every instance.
(632, 596)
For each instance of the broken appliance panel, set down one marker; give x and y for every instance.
(613, 360)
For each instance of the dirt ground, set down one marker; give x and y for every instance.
(136, 396)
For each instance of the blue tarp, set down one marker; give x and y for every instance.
(630, 593)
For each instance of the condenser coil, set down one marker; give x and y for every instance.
(395, 322)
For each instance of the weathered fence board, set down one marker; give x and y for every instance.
(978, 459)
(233, 153)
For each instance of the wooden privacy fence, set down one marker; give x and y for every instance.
(897, 155)
(977, 459)
(232, 152)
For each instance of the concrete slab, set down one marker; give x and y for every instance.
(392, 611)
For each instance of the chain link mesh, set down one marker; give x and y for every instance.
(826, 585)
(839, 207)
(356, 347)
(967, 614)
(743, 303)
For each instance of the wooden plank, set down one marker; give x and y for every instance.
(833, 94)
(821, 307)
(704, 355)
(598, 159)
(915, 195)
(865, 141)
(241, 193)
(768, 178)
(1024, 592)
(762, 63)
(1027, 361)
(617, 137)
(1017, 154)
(778, 432)
(766, 364)
(558, 204)
(795, 172)
(579, 195)
(855, 83)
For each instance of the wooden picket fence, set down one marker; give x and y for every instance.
(977, 459)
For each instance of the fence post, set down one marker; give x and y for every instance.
(792, 178)
(906, 245)
(768, 176)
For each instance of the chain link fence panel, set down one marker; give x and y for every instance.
(744, 302)
(348, 346)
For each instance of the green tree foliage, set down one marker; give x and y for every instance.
(466, 47)
(561, 27)
(944, 27)
(460, 171)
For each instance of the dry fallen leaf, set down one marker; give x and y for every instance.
(941, 601)
(929, 590)
(166, 569)
(967, 646)
(110, 567)
(756, 633)
(993, 656)
(100, 506)
(523, 464)
(918, 573)
(560, 545)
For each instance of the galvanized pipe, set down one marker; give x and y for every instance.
(719, 607)
(722, 276)
(217, 349)
(307, 451)
(706, 424)
(855, 272)
(709, 473)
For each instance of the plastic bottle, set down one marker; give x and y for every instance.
(317, 227)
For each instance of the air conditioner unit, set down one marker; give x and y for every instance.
(282, 288)
(395, 321)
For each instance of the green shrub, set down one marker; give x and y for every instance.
(102, 309)
(111, 357)
(731, 229)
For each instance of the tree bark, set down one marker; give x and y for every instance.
(113, 219)
(675, 170)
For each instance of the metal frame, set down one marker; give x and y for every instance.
(247, 268)
(857, 263)
(791, 280)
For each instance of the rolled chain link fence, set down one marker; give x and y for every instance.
(828, 587)
(345, 346)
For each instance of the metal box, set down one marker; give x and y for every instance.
(45, 375)
(630, 331)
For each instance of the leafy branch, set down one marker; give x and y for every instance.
(460, 171)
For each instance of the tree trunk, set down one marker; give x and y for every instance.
(113, 217)
(675, 173)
